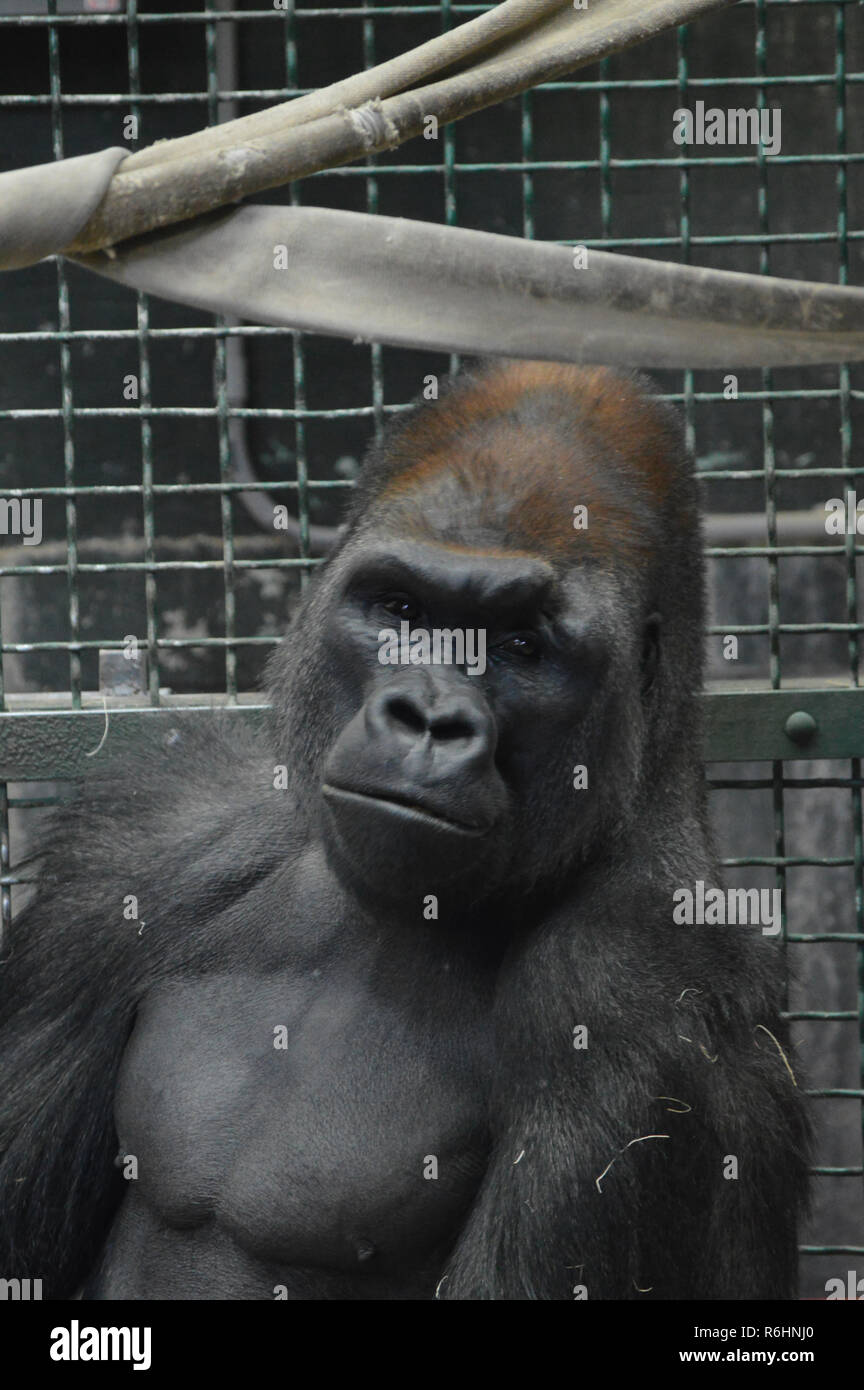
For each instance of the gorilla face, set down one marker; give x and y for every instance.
(444, 772)
(546, 514)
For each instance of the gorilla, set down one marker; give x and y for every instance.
(402, 1009)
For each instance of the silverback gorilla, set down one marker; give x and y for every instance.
(405, 1012)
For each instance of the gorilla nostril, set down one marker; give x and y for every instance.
(402, 711)
(451, 728)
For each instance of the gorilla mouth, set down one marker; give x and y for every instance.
(404, 808)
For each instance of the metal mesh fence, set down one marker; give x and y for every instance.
(147, 431)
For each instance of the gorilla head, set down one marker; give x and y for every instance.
(543, 518)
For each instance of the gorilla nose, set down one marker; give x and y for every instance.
(406, 714)
(449, 727)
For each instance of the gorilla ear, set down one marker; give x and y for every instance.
(650, 650)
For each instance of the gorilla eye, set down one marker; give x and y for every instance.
(400, 606)
(521, 644)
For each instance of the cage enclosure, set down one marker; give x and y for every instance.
(158, 438)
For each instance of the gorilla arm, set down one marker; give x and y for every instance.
(610, 1167)
(77, 971)
(67, 1002)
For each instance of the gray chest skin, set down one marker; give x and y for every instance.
(287, 1125)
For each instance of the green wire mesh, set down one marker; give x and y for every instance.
(146, 528)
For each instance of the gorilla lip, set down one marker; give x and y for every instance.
(408, 810)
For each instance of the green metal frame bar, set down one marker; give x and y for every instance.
(741, 726)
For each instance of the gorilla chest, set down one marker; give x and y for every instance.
(318, 1123)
